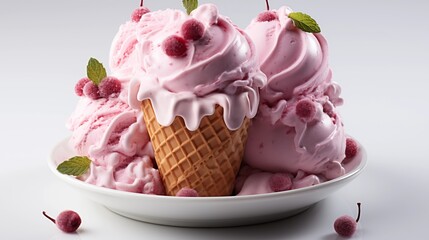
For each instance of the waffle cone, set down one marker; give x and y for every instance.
(206, 160)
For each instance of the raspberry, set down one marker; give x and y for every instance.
(109, 86)
(78, 88)
(280, 182)
(187, 192)
(67, 221)
(138, 13)
(351, 148)
(175, 46)
(91, 90)
(192, 29)
(267, 16)
(306, 110)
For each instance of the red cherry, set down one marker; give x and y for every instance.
(345, 225)
(305, 109)
(280, 182)
(109, 86)
(138, 13)
(78, 88)
(192, 29)
(175, 46)
(91, 90)
(67, 221)
(351, 148)
(187, 192)
(267, 16)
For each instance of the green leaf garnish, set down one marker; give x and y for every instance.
(304, 22)
(75, 166)
(95, 71)
(190, 5)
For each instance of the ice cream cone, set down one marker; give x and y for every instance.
(206, 160)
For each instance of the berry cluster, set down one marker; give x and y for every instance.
(108, 87)
(176, 46)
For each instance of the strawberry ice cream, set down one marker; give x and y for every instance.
(114, 137)
(188, 75)
(197, 82)
(297, 132)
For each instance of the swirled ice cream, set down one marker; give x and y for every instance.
(219, 68)
(297, 131)
(114, 137)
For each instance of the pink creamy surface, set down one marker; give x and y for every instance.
(220, 68)
(296, 64)
(114, 137)
(122, 51)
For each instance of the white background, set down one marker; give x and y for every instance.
(378, 53)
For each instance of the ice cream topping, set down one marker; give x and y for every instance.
(188, 75)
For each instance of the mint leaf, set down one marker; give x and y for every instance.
(190, 5)
(95, 71)
(75, 166)
(304, 22)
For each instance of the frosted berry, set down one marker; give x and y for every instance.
(109, 86)
(91, 90)
(78, 88)
(346, 225)
(267, 16)
(175, 46)
(187, 192)
(351, 148)
(192, 29)
(280, 182)
(138, 13)
(67, 221)
(306, 110)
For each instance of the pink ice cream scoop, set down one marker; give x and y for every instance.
(193, 62)
(122, 52)
(297, 129)
(114, 137)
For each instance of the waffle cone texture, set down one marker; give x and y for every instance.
(206, 160)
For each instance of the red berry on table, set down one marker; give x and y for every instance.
(192, 29)
(67, 221)
(351, 148)
(78, 88)
(306, 110)
(91, 90)
(267, 16)
(175, 46)
(109, 86)
(345, 225)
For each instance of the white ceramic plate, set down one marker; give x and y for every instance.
(204, 211)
